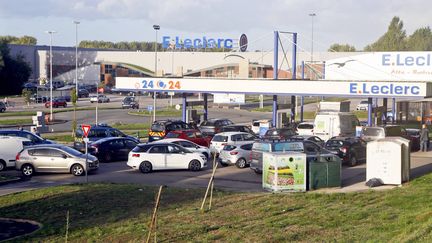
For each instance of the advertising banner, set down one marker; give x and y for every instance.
(284, 171)
(221, 98)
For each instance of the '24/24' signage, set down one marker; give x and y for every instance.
(158, 84)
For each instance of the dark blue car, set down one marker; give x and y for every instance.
(35, 139)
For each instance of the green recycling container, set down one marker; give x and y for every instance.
(324, 172)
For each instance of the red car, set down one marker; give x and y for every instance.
(56, 103)
(193, 135)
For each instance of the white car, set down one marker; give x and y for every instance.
(305, 128)
(164, 156)
(362, 106)
(229, 138)
(99, 98)
(189, 145)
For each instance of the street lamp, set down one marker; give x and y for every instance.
(51, 32)
(312, 44)
(156, 28)
(76, 56)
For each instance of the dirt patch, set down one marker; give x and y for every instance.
(12, 228)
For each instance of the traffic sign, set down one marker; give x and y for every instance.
(149, 107)
(86, 129)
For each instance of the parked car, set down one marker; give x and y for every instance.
(98, 132)
(350, 149)
(39, 99)
(362, 106)
(414, 136)
(159, 129)
(229, 138)
(83, 93)
(54, 158)
(189, 145)
(279, 133)
(193, 135)
(56, 102)
(305, 128)
(311, 149)
(112, 148)
(2, 107)
(256, 124)
(236, 154)
(99, 98)
(164, 156)
(213, 126)
(237, 128)
(35, 139)
(130, 102)
(9, 148)
(312, 138)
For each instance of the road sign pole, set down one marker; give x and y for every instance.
(86, 162)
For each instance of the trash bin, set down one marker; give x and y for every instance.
(284, 171)
(388, 159)
(324, 172)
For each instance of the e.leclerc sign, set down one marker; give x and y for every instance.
(202, 42)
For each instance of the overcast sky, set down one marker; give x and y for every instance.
(356, 22)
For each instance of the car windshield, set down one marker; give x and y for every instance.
(305, 126)
(208, 123)
(220, 138)
(172, 135)
(71, 151)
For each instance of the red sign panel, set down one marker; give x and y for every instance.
(86, 129)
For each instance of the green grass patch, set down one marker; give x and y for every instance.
(17, 122)
(121, 213)
(162, 112)
(131, 126)
(62, 138)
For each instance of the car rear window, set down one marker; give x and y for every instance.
(371, 131)
(220, 138)
(208, 123)
(334, 143)
(305, 126)
(141, 148)
(157, 127)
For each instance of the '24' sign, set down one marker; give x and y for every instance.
(151, 84)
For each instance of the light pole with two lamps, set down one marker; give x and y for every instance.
(156, 28)
(51, 32)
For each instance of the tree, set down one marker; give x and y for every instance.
(74, 99)
(420, 40)
(341, 48)
(24, 40)
(393, 40)
(14, 73)
(26, 94)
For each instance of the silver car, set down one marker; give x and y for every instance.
(236, 154)
(53, 158)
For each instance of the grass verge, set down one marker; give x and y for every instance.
(121, 213)
(17, 122)
(163, 112)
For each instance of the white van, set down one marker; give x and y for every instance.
(9, 148)
(331, 124)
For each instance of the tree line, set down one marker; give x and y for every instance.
(14, 71)
(395, 39)
(23, 40)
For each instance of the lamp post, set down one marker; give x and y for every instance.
(76, 56)
(156, 28)
(51, 32)
(312, 44)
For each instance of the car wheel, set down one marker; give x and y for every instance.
(241, 163)
(194, 165)
(353, 160)
(77, 170)
(146, 167)
(2, 110)
(27, 170)
(2, 165)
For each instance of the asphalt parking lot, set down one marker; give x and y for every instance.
(227, 178)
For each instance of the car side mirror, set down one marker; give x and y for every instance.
(64, 156)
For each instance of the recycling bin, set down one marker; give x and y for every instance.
(324, 171)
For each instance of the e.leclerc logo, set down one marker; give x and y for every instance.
(402, 59)
(383, 89)
(204, 42)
